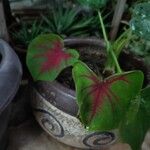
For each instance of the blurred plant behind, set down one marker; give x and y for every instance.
(140, 25)
(26, 33)
(63, 17)
(68, 22)
(141, 48)
(69, 19)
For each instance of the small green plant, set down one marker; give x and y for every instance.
(27, 32)
(141, 48)
(140, 24)
(115, 102)
(67, 22)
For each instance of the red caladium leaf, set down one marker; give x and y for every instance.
(46, 57)
(103, 103)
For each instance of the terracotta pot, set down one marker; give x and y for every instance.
(10, 76)
(56, 110)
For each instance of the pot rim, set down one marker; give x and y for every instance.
(89, 41)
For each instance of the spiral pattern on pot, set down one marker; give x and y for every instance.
(50, 123)
(98, 139)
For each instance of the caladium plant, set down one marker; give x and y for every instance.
(117, 101)
(104, 103)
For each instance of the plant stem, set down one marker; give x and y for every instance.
(108, 46)
(116, 61)
(104, 31)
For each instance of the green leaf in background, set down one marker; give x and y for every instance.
(141, 27)
(46, 57)
(145, 95)
(121, 42)
(137, 121)
(95, 4)
(117, 46)
(27, 32)
(140, 22)
(103, 103)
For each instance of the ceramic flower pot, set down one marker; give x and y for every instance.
(56, 110)
(10, 76)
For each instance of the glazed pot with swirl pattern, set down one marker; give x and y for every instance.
(56, 109)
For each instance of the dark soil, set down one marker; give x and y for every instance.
(95, 61)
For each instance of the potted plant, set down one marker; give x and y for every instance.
(106, 109)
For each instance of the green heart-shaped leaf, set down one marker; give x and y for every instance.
(46, 57)
(137, 121)
(103, 103)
